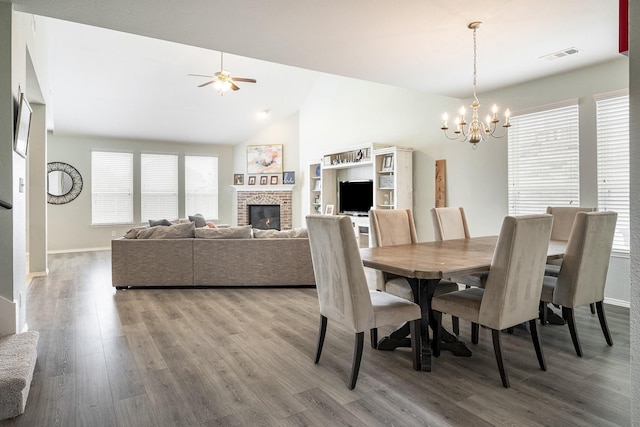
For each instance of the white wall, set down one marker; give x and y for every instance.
(20, 44)
(69, 225)
(341, 112)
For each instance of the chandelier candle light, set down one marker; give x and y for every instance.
(476, 131)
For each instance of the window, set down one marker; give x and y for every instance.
(543, 160)
(612, 119)
(111, 188)
(159, 186)
(201, 186)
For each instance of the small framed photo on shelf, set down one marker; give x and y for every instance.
(274, 180)
(387, 163)
(328, 210)
(238, 179)
(263, 180)
(317, 186)
(252, 180)
(289, 178)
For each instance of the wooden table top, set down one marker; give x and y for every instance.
(436, 260)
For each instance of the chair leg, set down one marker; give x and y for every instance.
(543, 313)
(416, 344)
(536, 344)
(568, 315)
(437, 339)
(498, 351)
(321, 334)
(592, 306)
(475, 331)
(456, 325)
(357, 357)
(374, 338)
(603, 323)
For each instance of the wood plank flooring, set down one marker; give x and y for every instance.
(243, 357)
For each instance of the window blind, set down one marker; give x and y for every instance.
(201, 186)
(612, 121)
(544, 160)
(159, 186)
(111, 188)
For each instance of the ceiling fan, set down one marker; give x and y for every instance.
(222, 80)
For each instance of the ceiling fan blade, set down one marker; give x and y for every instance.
(242, 79)
(207, 83)
(233, 86)
(199, 75)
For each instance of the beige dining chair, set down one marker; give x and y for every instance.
(343, 294)
(563, 217)
(451, 223)
(513, 286)
(388, 227)
(583, 273)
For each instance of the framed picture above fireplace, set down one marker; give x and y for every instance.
(264, 158)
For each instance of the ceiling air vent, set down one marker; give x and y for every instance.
(560, 54)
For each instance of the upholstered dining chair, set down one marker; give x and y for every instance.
(389, 227)
(451, 223)
(513, 285)
(563, 217)
(343, 294)
(583, 273)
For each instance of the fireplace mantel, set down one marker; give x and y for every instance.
(260, 188)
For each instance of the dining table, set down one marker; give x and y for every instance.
(424, 264)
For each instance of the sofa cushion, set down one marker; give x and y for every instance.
(177, 231)
(272, 234)
(133, 233)
(242, 232)
(153, 223)
(198, 219)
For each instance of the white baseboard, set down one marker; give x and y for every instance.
(65, 251)
(618, 302)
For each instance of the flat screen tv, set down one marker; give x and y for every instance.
(355, 197)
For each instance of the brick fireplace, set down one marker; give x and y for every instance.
(250, 195)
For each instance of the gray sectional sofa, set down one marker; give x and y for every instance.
(236, 256)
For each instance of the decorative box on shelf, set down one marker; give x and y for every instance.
(385, 181)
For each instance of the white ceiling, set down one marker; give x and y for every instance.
(110, 83)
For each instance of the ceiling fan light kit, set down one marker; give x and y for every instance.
(476, 131)
(222, 80)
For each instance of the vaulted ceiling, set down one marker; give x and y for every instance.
(137, 87)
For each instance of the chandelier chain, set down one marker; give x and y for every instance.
(475, 66)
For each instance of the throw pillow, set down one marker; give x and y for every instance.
(199, 220)
(211, 224)
(296, 233)
(243, 232)
(177, 231)
(270, 234)
(164, 222)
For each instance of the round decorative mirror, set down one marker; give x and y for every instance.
(64, 183)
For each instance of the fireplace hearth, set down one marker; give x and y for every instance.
(264, 217)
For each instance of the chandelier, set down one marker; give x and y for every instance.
(475, 131)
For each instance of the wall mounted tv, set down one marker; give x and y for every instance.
(355, 197)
